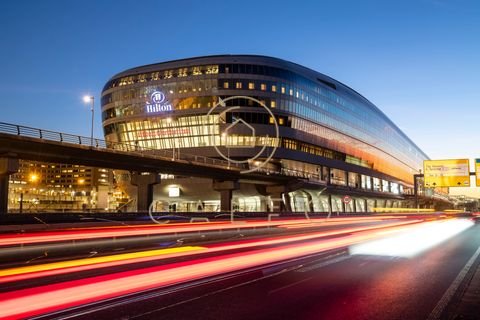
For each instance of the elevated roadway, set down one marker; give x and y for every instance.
(19, 142)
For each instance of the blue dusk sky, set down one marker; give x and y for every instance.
(418, 61)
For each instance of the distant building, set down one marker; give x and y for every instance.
(328, 133)
(40, 186)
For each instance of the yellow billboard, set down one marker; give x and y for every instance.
(477, 171)
(446, 173)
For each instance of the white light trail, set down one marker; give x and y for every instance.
(409, 243)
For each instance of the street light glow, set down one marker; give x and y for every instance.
(91, 99)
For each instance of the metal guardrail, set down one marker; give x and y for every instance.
(170, 154)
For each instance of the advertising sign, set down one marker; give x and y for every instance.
(158, 103)
(446, 173)
(477, 171)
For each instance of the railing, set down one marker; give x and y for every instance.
(170, 154)
(50, 135)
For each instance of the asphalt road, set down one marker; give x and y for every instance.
(334, 285)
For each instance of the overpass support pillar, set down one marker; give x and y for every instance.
(225, 187)
(144, 182)
(7, 167)
(280, 198)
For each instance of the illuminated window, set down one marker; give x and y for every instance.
(274, 88)
(182, 72)
(271, 120)
(281, 121)
(225, 85)
(290, 92)
(385, 186)
(238, 85)
(263, 87)
(213, 70)
(196, 71)
(283, 89)
(251, 85)
(273, 104)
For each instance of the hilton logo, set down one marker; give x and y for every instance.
(157, 103)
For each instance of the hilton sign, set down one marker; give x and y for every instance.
(157, 103)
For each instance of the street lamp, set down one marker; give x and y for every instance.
(87, 99)
(33, 177)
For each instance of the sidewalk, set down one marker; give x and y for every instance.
(468, 307)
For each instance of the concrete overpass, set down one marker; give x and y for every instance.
(20, 142)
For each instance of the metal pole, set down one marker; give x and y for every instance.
(415, 188)
(92, 109)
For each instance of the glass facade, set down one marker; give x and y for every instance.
(165, 106)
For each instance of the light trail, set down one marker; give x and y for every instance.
(57, 268)
(49, 298)
(115, 232)
(408, 244)
(403, 210)
(70, 266)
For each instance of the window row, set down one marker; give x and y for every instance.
(365, 182)
(163, 74)
(355, 104)
(368, 124)
(360, 152)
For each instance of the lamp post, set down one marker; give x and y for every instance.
(87, 99)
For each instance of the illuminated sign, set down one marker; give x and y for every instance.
(164, 132)
(477, 171)
(158, 103)
(346, 199)
(173, 192)
(446, 173)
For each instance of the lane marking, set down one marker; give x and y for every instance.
(323, 264)
(448, 295)
(310, 268)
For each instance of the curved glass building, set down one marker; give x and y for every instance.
(327, 132)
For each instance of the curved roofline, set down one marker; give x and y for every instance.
(302, 70)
